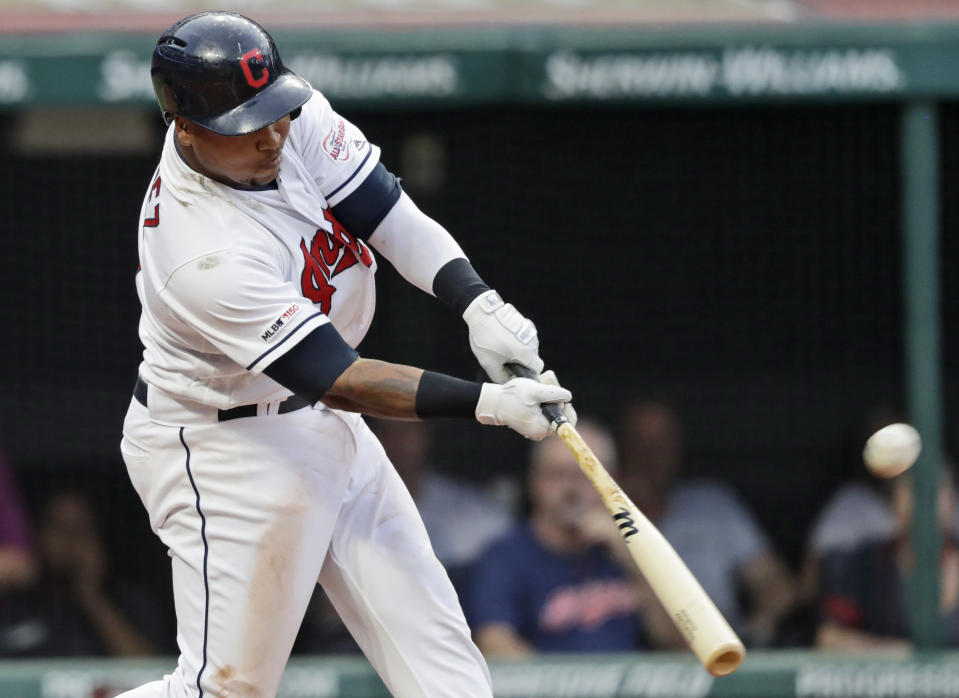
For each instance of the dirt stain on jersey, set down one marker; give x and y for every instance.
(209, 262)
(226, 685)
(273, 597)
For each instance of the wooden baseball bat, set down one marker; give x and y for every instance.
(704, 628)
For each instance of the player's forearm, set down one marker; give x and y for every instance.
(382, 389)
(376, 388)
(402, 392)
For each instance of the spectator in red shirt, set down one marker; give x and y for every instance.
(863, 602)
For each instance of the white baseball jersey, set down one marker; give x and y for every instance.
(232, 279)
(257, 507)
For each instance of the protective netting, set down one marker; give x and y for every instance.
(742, 263)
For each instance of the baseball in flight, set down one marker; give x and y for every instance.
(892, 450)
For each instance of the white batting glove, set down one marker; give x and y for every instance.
(517, 404)
(549, 378)
(499, 334)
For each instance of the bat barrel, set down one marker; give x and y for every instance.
(725, 659)
(707, 633)
(704, 628)
(702, 625)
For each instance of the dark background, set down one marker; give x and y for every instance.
(743, 263)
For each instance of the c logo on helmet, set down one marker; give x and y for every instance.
(245, 64)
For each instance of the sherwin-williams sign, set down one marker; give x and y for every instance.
(736, 71)
(475, 66)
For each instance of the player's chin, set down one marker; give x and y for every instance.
(266, 174)
(262, 177)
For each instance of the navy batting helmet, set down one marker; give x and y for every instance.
(222, 71)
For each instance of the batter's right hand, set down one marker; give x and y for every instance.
(517, 404)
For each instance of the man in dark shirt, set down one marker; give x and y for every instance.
(563, 580)
(864, 589)
(72, 610)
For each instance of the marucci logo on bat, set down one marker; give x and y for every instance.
(626, 524)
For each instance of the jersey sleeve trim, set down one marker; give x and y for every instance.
(284, 340)
(439, 395)
(311, 367)
(457, 284)
(332, 197)
(366, 207)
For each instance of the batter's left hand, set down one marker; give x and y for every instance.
(500, 334)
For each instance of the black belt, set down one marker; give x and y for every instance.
(291, 404)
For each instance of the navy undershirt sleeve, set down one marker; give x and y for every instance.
(363, 210)
(314, 364)
(457, 284)
(439, 395)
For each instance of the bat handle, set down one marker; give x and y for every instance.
(552, 411)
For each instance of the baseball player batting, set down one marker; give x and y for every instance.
(243, 438)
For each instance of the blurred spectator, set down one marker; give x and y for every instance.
(461, 519)
(863, 587)
(858, 512)
(707, 524)
(563, 580)
(17, 567)
(77, 607)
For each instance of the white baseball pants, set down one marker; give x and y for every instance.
(254, 512)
